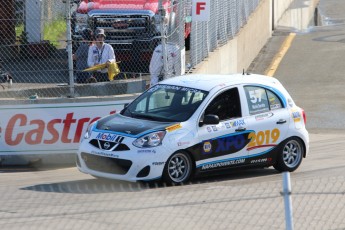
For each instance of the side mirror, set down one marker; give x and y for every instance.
(124, 107)
(209, 119)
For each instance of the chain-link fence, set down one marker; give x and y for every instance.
(34, 55)
(157, 38)
(227, 18)
(95, 204)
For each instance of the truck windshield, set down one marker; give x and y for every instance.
(166, 103)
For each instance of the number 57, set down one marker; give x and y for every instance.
(255, 96)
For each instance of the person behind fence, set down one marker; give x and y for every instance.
(81, 56)
(157, 66)
(101, 53)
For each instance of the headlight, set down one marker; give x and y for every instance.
(157, 19)
(157, 22)
(88, 132)
(150, 140)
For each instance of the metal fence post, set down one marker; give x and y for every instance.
(287, 200)
(69, 49)
(163, 38)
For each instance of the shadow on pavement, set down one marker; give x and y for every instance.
(98, 185)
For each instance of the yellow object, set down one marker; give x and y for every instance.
(279, 57)
(96, 67)
(113, 69)
(173, 127)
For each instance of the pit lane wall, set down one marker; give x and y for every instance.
(238, 53)
(50, 130)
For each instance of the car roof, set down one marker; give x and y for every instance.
(209, 81)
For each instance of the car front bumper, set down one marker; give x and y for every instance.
(133, 165)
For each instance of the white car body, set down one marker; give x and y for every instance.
(266, 130)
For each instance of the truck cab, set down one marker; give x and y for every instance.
(132, 27)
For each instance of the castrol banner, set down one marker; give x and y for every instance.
(49, 128)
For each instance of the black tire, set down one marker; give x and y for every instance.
(178, 169)
(290, 155)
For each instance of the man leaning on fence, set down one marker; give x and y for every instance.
(101, 53)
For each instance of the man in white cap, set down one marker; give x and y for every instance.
(100, 53)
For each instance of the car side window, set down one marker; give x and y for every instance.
(226, 105)
(261, 100)
(275, 102)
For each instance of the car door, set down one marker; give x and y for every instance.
(267, 120)
(222, 145)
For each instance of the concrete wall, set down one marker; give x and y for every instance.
(279, 7)
(294, 14)
(239, 52)
(118, 87)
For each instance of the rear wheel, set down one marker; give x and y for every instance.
(178, 169)
(290, 155)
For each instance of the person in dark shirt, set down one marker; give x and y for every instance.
(81, 56)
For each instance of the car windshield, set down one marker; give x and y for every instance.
(166, 103)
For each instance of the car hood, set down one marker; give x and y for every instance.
(130, 126)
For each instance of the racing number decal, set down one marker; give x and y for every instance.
(263, 138)
(255, 96)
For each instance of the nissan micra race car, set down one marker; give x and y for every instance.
(196, 124)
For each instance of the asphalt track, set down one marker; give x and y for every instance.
(312, 69)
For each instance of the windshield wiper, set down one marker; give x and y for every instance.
(153, 117)
(141, 115)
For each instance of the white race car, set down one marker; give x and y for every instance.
(195, 124)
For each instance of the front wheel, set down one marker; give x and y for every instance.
(178, 168)
(290, 155)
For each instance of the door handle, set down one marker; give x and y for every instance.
(281, 121)
(240, 129)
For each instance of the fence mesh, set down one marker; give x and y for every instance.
(227, 18)
(316, 203)
(34, 57)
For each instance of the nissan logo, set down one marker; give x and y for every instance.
(106, 145)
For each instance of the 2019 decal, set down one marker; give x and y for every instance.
(263, 138)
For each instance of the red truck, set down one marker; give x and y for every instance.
(132, 27)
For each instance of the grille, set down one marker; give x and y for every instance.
(106, 164)
(126, 28)
(110, 146)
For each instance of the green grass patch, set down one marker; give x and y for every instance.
(54, 31)
(19, 29)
